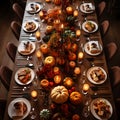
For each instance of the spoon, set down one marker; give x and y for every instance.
(30, 65)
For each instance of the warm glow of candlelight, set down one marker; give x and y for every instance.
(39, 54)
(75, 13)
(62, 26)
(57, 79)
(34, 94)
(41, 14)
(86, 87)
(37, 35)
(78, 33)
(80, 55)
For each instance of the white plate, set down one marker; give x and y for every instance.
(29, 21)
(93, 111)
(83, 8)
(19, 82)
(88, 48)
(90, 70)
(11, 107)
(95, 29)
(31, 10)
(21, 47)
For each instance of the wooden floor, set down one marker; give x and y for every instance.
(6, 35)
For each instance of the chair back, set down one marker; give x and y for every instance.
(11, 50)
(16, 28)
(18, 10)
(5, 76)
(101, 7)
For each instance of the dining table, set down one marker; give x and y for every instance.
(60, 52)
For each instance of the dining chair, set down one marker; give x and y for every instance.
(5, 76)
(101, 8)
(2, 107)
(11, 50)
(16, 28)
(110, 50)
(115, 73)
(18, 10)
(104, 26)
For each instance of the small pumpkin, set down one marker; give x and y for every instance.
(68, 82)
(77, 70)
(57, 2)
(44, 83)
(75, 117)
(72, 56)
(59, 94)
(44, 48)
(60, 61)
(75, 97)
(72, 64)
(56, 70)
(49, 60)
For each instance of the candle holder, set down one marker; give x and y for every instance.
(80, 57)
(34, 95)
(85, 88)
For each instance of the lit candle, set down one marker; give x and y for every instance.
(80, 56)
(57, 79)
(78, 33)
(34, 94)
(75, 13)
(62, 26)
(37, 35)
(39, 54)
(41, 14)
(85, 88)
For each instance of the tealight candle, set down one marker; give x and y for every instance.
(80, 57)
(41, 14)
(75, 13)
(34, 94)
(37, 35)
(85, 88)
(39, 54)
(57, 79)
(78, 33)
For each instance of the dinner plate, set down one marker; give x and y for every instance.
(87, 8)
(93, 48)
(30, 26)
(11, 109)
(34, 7)
(90, 22)
(96, 75)
(104, 101)
(26, 51)
(29, 81)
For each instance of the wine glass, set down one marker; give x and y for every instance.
(33, 114)
(39, 57)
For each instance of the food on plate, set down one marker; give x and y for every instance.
(28, 47)
(102, 109)
(89, 26)
(93, 48)
(20, 109)
(24, 75)
(34, 7)
(29, 26)
(88, 7)
(97, 75)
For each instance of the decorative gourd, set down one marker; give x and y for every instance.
(49, 61)
(77, 70)
(75, 117)
(44, 83)
(59, 94)
(68, 82)
(72, 56)
(44, 48)
(75, 97)
(45, 114)
(57, 2)
(72, 64)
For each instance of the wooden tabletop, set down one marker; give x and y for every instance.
(44, 101)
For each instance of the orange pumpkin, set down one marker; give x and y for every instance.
(49, 60)
(75, 97)
(72, 56)
(72, 64)
(60, 61)
(44, 48)
(44, 83)
(57, 2)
